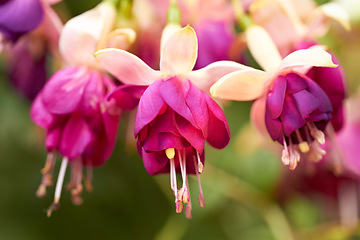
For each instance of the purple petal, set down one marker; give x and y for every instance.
(150, 105)
(165, 122)
(39, 114)
(18, 17)
(76, 137)
(53, 137)
(161, 141)
(275, 99)
(218, 128)
(274, 127)
(214, 40)
(306, 103)
(295, 83)
(173, 92)
(332, 81)
(27, 72)
(196, 101)
(193, 135)
(93, 92)
(127, 96)
(154, 162)
(64, 90)
(290, 116)
(324, 102)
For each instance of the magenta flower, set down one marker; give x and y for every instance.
(174, 117)
(290, 106)
(80, 122)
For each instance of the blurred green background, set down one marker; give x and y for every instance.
(241, 186)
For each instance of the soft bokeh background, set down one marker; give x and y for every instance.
(242, 183)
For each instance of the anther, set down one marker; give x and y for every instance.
(200, 165)
(303, 145)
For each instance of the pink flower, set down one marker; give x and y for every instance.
(175, 115)
(80, 122)
(290, 106)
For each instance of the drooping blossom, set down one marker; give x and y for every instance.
(290, 106)
(175, 116)
(295, 25)
(28, 58)
(80, 122)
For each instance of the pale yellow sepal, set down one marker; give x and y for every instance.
(263, 48)
(179, 52)
(337, 13)
(243, 85)
(313, 56)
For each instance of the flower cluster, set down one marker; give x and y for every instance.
(105, 65)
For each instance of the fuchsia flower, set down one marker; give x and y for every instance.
(174, 117)
(80, 123)
(289, 105)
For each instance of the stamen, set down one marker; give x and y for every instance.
(173, 176)
(200, 165)
(179, 206)
(59, 184)
(285, 153)
(185, 195)
(316, 133)
(201, 195)
(303, 146)
(294, 156)
(89, 176)
(49, 163)
(47, 172)
(188, 211)
(316, 153)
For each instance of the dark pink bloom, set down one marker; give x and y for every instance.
(175, 116)
(81, 124)
(297, 112)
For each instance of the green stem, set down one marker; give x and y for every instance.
(174, 13)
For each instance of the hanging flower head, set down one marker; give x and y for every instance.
(289, 105)
(175, 115)
(80, 123)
